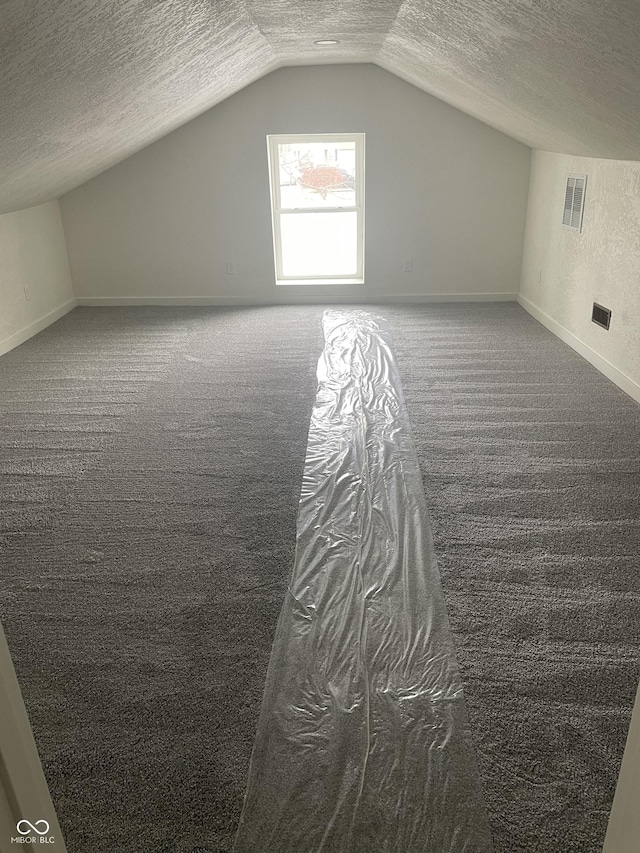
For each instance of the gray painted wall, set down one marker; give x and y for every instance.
(32, 255)
(565, 272)
(441, 188)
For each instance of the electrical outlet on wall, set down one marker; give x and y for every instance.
(27, 293)
(407, 265)
(540, 276)
(231, 267)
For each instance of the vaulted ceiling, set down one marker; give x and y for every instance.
(85, 83)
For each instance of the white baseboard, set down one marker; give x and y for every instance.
(297, 299)
(37, 326)
(626, 383)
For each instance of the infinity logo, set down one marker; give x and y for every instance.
(32, 827)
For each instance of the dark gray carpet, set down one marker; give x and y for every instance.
(531, 465)
(150, 465)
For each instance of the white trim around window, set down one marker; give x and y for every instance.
(310, 216)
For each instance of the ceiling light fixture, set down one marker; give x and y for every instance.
(326, 42)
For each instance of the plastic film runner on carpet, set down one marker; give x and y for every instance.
(362, 743)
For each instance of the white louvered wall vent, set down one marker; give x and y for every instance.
(574, 202)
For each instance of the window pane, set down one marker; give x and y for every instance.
(319, 244)
(317, 174)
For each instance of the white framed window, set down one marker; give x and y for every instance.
(317, 207)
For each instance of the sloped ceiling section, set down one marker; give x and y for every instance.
(85, 83)
(559, 75)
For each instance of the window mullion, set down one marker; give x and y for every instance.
(286, 210)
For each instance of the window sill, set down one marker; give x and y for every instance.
(316, 281)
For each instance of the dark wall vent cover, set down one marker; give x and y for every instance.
(601, 316)
(574, 202)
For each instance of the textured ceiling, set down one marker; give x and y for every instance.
(85, 83)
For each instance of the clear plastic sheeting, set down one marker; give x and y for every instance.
(362, 743)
